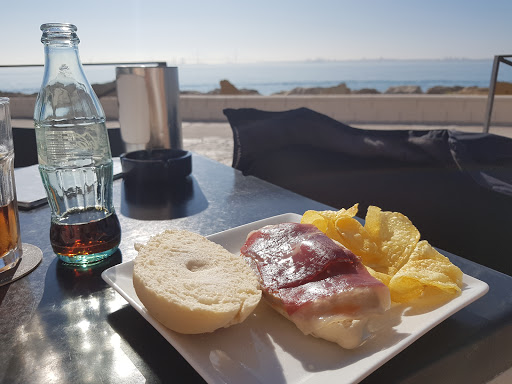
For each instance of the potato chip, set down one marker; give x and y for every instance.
(342, 227)
(372, 221)
(426, 267)
(395, 237)
(352, 234)
(325, 220)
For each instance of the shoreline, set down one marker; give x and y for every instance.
(226, 88)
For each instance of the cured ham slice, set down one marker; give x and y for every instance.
(315, 282)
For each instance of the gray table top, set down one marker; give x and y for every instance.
(38, 343)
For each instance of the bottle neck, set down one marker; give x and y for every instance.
(62, 64)
(62, 61)
(65, 94)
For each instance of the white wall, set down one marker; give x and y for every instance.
(419, 109)
(427, 109)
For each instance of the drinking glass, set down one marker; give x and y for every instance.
(10, 241)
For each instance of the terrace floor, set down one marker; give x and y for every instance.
(215, 139)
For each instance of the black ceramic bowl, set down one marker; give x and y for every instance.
(157, 165)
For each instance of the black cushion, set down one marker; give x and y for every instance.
(455, 187)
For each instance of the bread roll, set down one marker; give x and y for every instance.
(192, 285)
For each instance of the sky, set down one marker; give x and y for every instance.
(239, 31)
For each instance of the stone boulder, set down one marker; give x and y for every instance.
(442, 90)
(226, 88)
(473, 91)
(503, 88)
(365, 91)
(193, 93)
(340, 89)
(105, 89)
(405, 89)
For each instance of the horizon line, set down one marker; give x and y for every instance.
(183, 61)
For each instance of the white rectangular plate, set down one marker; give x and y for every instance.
(268, 348)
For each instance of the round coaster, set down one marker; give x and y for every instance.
(30, 259)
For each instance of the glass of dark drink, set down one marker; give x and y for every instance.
(10, 240)
(75, 161)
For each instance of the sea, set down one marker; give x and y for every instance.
(272, 77)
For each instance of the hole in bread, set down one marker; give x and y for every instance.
(196, 265)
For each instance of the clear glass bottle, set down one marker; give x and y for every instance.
(74, 155)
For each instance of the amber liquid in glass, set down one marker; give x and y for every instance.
(90, 241)
(8, 228)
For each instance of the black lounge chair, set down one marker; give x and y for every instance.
(455, 187)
